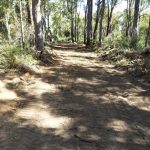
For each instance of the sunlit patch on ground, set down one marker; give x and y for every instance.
(40, 87)
(78, 104)
(118, 125)
(41, 116)
(6, 94)
(77, 58)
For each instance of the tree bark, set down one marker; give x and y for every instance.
(110, 13)
(127, 21)
(147, 39)
(75, 27)
(128, 24)
(89, 22)
(78, 19)
(101, 23)
(97, 20)
(70, 7)
(72, 28)
(21, 26)
(85, 26)
(49, 33)
(134, 35)
(8, 28)
(36, 12)
(29, 12)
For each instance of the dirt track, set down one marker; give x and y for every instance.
(80, 104)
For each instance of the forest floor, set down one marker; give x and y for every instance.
(81, 103)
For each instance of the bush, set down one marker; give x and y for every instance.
(137, 63)
(116, 39)
(8, 56)
(11, 56)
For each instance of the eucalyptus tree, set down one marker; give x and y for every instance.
(128, 17)
(97, 19)
(147, 39)
(46, 12)
(29, 12)
(37, 18)
(134, 35)
(85, 24)
(89, 21)
(110, 6)
(70, 8)
(101, 22)
(21, 25)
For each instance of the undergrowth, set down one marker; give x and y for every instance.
(137, 63)
(11, 56)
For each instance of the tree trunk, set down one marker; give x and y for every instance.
(97, 20)
(8, 29)
(127, 21)
(21, 26)
(110, 13)
(72, 21)
(147, 39)
(101, 23)
(75, 27)
(29, 12)
(109, 22)
(78, 19)
(134, 35)
(48, 26)
(89, 22)
(128, 24)
(85, 26)
(36, 11)
(72, 28)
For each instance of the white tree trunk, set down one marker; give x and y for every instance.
(8, 28)
(21, 25)
(37, 18)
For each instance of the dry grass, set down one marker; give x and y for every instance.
(137, 63)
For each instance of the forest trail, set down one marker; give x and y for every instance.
(80, 104)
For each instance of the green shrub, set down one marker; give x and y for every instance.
(11, 56)
(116, 39)
(8, 56)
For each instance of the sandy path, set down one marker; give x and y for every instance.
(81, 104)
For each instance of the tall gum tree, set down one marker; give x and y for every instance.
(21, 25)
(85, 25)
(89, 21)
(128, 15)
(37, 19)
(134, 35)
(97, 19)
(101, 22)
(29, 12)
(111, 5)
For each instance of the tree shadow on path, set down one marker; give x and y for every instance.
(73, 107)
